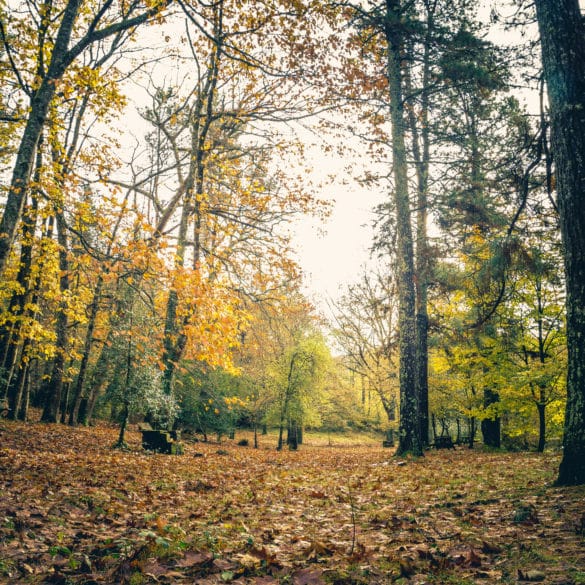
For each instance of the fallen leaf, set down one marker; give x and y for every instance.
(317, 549)
(195, 559)
(224, 565)
(407, 568)
(308, 577)
(489, 548)
(249, 562)
(531, 575)
(472, 559)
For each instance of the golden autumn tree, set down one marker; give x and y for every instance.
(98, 231)
(218, 196)
(41, 43)
(67, 155)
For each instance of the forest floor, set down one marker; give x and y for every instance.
(72, 510)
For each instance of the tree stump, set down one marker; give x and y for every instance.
(444, 442)
(162, 441)
(389, 440)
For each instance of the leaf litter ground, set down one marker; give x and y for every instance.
(73, 511)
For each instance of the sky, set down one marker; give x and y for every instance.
(332, 253)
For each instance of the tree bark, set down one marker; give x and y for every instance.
(419, 126)
(491, 427)
(563, 54)
(79, 384)
(541, 406)
(409, 430)
(286, 401)
(55, 385)
(32, 132)
(16, 386)
(472, 429)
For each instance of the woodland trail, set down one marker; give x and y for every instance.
(74, 511)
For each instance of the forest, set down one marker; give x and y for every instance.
(156, 157)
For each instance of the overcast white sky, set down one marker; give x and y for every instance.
(332, 253)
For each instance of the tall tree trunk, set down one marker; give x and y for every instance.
(65, 401)
(491, 427)
(10, 342)
(421, 153)
(409, 431)
(25, 395)
(121, 442)
(472, 430)
(20, 390)
(22, 170)
(54, 387)
(540, 396)
(79, 384)
(541, 406)
(12, 374)
(280, 435)
(174, 338)
(95, 391)
(38, 111)
(562, 34)
(16, 385)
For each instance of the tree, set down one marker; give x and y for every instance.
(74, 31)
(135, 386)
(409, 432)
(492, 152)
(60, 195)
(562, 34)
(297, 376)
(407, 78)
(533, 339)
(365, 329)
(212, 399)
(208, 170)
(284, 359)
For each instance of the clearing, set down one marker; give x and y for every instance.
(74, 511)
